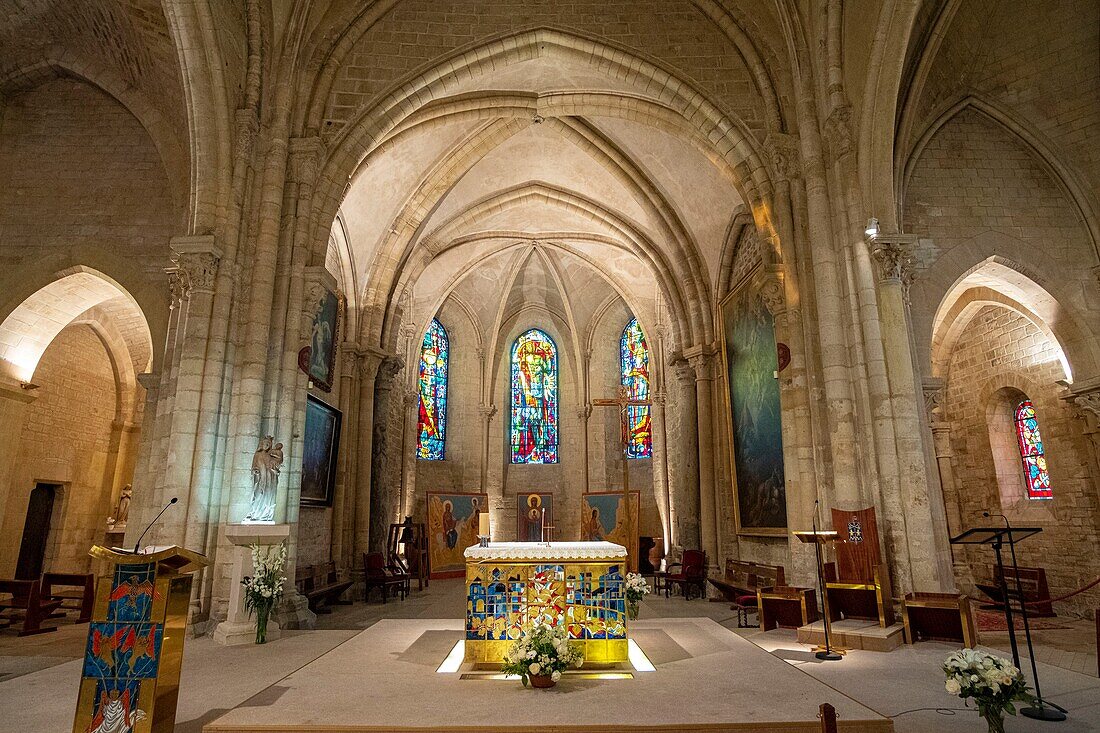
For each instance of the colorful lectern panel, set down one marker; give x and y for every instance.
(135, 643)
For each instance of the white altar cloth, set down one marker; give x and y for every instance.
(552, 552)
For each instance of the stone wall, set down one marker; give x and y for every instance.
(67, 439)
(1002, 354)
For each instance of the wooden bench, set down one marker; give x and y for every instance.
(75, 591)
(740, 583)
(786, 607)
(26, 601)
(321, 586)
(1033, 582)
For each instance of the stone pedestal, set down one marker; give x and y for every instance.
(238, 627)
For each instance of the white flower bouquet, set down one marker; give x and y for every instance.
(993, 683)
(635, 589)
(541, 655)
(264, 588)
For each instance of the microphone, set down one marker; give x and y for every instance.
(150, 525)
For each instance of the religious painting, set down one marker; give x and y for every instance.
(634, 367)
(751, 371)
(452, 527)
(533, 511)
(605, 517)
(431, 423)
(323, 340)
(534, 399)
(321, 441)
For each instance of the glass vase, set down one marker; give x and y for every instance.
(632, 610)
(262, 614)
(995, 721)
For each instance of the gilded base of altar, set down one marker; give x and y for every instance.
(511, 587)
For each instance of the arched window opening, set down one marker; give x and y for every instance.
(432, 421)
(634, 363)
(1030, 442)
(534, 427)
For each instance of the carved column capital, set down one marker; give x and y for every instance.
(149, 380)
(304, 159)
(352, 359)
(701, 360)
(487, 412)
(783, 153)
(934, 393)
(179, 287)
(200, 269)
(584, 412)
(893, 253)
(773, 293)
(837, 132)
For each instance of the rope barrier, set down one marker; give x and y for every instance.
(1046, 602)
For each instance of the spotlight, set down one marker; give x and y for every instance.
(872, 227)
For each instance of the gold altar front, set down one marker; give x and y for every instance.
(510, 592)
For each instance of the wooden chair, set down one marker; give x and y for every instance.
(321, 586)
(78, 593)
(692, 573)
(857, 585)
(26, 601)
(375, 575)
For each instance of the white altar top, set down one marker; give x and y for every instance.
(554, 551)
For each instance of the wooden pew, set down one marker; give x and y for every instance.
(26, 601)
(1033, 582)
(741, 582)
(78, 593)
(321, 586)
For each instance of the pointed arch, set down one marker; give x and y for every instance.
(534, 434)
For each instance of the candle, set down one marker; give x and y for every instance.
(483, 524)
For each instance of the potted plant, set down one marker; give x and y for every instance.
(265, 587)
(993, 682)
(540, 656)
(636, 589)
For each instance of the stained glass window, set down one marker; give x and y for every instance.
(534, 433)
(1032, 453)
(435, 352)
(634, 360)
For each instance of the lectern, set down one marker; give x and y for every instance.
(130, 677)
(821, 537)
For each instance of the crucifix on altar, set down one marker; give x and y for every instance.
(624, 402)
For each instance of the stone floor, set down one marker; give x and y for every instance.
(38, 674)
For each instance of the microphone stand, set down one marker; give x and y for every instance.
(827, 654)
(1040, 710)
(150, 525)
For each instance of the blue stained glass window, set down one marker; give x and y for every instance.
(1032, 453)
(534, 420)
(634, 360)
(432, 421)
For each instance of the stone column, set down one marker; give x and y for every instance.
(1085, 398)
(660, 467)
(486, 412)
(386, 489)
(701, 359)
(143, 472)
(584, 414)
(368, 371)
(14, 401)
(684, 475)
(343, 505)
(925, 563)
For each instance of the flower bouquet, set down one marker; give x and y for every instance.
(265, 587)
(541, 655)
(993, 682)
(636, 589)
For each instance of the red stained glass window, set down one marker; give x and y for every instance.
(1031, 452)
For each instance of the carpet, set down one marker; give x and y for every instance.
(990, 621)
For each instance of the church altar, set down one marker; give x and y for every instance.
(511, 586)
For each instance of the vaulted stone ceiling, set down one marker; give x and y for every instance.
(562, 214)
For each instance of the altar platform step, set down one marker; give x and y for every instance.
(854, 634)
(706, 679)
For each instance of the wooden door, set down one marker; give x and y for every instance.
(36, 530)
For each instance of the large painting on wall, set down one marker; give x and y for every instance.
(452, 527)
(320, 445)
(606, 517)
(532, 509)
(323, 340)
(752, 390)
